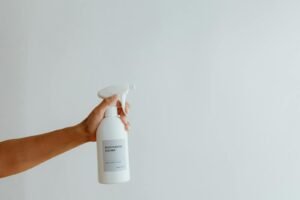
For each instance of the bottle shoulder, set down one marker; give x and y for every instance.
(111, 128)
(111, 120)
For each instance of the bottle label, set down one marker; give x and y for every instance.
(114, 155)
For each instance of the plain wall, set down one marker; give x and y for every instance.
(215, 114)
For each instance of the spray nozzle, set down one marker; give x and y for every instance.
(120, 90)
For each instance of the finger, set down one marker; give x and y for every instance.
(120, 109)
(125, 122)
(109, 101)
(119, 105)
(128, 126)
(127, 107)
(105, 104)
(123, 119)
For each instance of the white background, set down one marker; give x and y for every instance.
(217, 108)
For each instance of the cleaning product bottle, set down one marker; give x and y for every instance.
(112, 140)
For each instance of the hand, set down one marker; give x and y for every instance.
(17, 155)
(91, 123)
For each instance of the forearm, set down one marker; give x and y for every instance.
(21, 154)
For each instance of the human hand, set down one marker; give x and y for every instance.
(91, 123)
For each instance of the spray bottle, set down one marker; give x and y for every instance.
(112, 140)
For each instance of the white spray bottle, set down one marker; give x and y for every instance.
(112, 140)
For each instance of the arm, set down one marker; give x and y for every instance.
(18, 155)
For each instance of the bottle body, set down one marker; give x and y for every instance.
(112, 150)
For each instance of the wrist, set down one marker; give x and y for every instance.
(81, 130)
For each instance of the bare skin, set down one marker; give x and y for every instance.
(17, 155)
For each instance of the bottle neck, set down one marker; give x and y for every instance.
(111, 111)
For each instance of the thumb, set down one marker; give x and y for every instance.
(110, 101)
